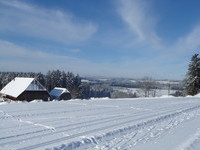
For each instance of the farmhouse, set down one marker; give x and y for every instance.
(27, 89)
(60, 93)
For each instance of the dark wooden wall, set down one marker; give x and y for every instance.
(65, 96)
(31, 95)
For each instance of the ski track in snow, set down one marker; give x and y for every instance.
(97, 124)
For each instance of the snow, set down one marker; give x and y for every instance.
(103, 79)
(57, 91)
(102, 124)
(168, 82)
(86, 81)
(159, 92)
(16, 86)
(198, 95)
(133, 81)
(159, 81)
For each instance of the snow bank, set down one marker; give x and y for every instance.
(97, 98)
(198, 95)
(166, 96)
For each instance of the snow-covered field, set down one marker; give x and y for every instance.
(102, 124)
(158, 92)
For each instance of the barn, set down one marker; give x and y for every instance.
(60, 94)
(22, 89)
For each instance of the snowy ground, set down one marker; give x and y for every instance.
(124, 124)
(158, 93)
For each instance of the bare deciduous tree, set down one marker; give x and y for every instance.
(147, 87)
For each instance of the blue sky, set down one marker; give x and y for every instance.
(111, 38)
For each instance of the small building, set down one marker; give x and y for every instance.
(60, 94)
(22, 89)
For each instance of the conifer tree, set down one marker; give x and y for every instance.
(193, 76)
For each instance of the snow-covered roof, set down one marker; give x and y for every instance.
(57, 91)
(18, 85)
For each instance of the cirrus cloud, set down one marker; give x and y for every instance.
(138, 15)
(23, 19)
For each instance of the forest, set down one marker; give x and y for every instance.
(57, 78)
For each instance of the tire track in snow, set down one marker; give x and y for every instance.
(65, 130)
(112, 133)
(128, 138)
(125, 143)
(144, 138)
(120, 112)
(59, 112)
(95, 121)
(115, 114)
(63, 126)
(86, 124)
(120, 142)
(152, 133)
(17, 118)
(68, 111)
(49, 113)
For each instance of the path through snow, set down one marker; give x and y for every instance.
(124, 124)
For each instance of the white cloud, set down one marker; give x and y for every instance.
(142, 22)
(17, 58)
(190, 42)
(23, 19)
(137, 14)
(27, 20)
(12, 52)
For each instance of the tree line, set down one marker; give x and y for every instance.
(54, 78)
(57, 78)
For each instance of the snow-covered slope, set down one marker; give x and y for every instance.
(125, 124)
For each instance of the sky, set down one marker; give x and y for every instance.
(107, 38)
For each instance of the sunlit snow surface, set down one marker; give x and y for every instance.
(102, 124)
